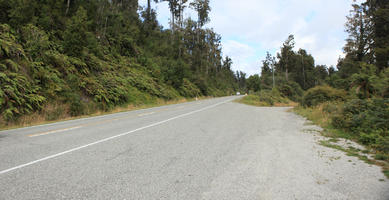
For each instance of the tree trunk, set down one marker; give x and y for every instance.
(286, 73)
(274, 83)
(172, 22)
(67, 7)
(148, 10)
(302, 63)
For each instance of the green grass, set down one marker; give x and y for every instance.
(323, 119)
(256, 100)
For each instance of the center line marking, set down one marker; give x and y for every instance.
(109, 138)
(55, 131)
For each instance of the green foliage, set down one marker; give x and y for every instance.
(265, 98)
(18, 96)
(9, 48)
(77, 106)
(363, 82)
(291, 90)
(91, 55)
(35, 41)
(254, 83)
(188, 89)
(360, 115)
(320, 94)
(76, 35)
(368, 119)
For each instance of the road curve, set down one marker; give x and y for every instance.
(209, 149)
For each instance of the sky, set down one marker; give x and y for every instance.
(250, 28)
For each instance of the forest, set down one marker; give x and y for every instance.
(350, 100)
(69, 58)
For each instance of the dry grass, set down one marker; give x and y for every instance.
(254, 100)
(289, 104)
(315, 114)
(320, 117)
(60, 112)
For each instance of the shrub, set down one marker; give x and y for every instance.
(321, 94)
(368, 139)
(291, 90)
(188, 89)
(367, 115)
(383, 144)
(367, 120)
(265, 98)
(77, 106)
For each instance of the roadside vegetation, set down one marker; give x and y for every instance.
(267, 98)
(350, 100)
(64, 59)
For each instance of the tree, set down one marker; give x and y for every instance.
(303, 70)
(202, 8)
(67, 7)
(149, 10)
(268, 69)
(320, 73)
(241, 79)
(174, 11)
(76, 53)
(285, 58)
(378, 12)
(180, 13)
(227, 63)
(76, 35)
(254, 83)
(359, 27)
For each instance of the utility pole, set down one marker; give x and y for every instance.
(272, 69)
(302, 63)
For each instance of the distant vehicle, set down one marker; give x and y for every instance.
(238, 93)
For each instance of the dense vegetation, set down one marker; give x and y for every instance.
(75, 57)
(352, 100)
(267, 98)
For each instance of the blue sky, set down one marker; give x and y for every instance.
(249, 28)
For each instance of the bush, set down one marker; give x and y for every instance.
(366, 116)
(291, 90)
(77, 106)
(368, 139)
(321, 94)
(271, 97)
(383, 144)
(367, 120)
(265, 98)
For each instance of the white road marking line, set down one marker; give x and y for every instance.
(109, 138)
(145, 114)
(54, 131)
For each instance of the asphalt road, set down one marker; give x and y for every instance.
(209, 149)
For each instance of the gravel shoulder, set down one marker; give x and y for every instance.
(286, 161)
(228, 151)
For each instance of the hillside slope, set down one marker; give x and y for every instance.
(73, 59)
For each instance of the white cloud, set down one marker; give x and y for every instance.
(241, 55)
(255, 26)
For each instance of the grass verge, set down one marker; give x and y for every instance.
(323, 119)
(40, 118)
(257, 100)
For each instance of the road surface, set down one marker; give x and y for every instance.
(209, 149)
